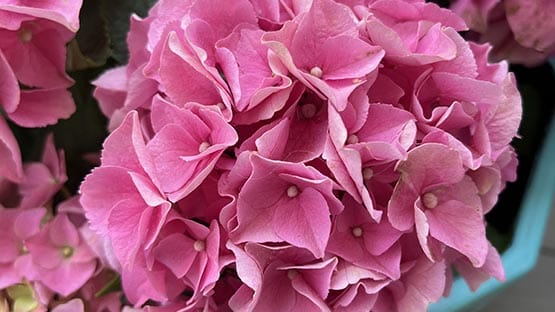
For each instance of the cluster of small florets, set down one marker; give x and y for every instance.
(47, 251)
(521, 31)
(301, 156)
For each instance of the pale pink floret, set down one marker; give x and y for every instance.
(36, 53)
(120, 201)
(318, 58)
(285, 202)
(422, 284)
(359, 240)
(186, 145)
(412, 33)
(434, 195)
(280, 279)
(64, 262)
(17, 226)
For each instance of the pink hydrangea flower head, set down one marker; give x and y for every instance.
(335, 155)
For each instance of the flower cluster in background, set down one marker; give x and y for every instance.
(263, 155)
(330, 155)
(521, 31)
(47, 251)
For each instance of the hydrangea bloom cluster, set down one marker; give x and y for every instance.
(33, 80)
(521, 31)
(312, 155)
(46, 252)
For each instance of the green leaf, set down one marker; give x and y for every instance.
(91, 46)
(84, 131)
(117, 14)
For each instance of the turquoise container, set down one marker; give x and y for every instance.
(522, 255)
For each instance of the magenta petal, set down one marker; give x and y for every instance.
(10, 156)
(474, 277)
(102, 190)
(304, 221)
(68, 277)
(63, 232)
(74, 305)
(9, 88)
(39, 108)
(65, 13)
(182, 80)
(176, 252)
(424, 283)
(462, 228)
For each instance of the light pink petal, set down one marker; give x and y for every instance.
(424, 283)
(462, 228)
(111, 89)
(10, 156)
(65, 13)
(532, 22)
(74, 305)
(103, 189)
(181, 79)
(39, 108)
(9, 88)
(176, 252)
(304, 221)
(63, 232)
(474, 277)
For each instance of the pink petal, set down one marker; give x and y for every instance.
(39, 108)
(304, 221)
(9, 88)
(10, 156)
(462, 228)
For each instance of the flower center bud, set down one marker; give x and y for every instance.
(23, 249)
(316, 71)
(292, 191)
(291, 274)
(67, 252)
(367, 173)
(25, 35)
(429, 200)
(203, 146)
(357, 231)
(308, 110)
(352, 139)
(199, 245)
